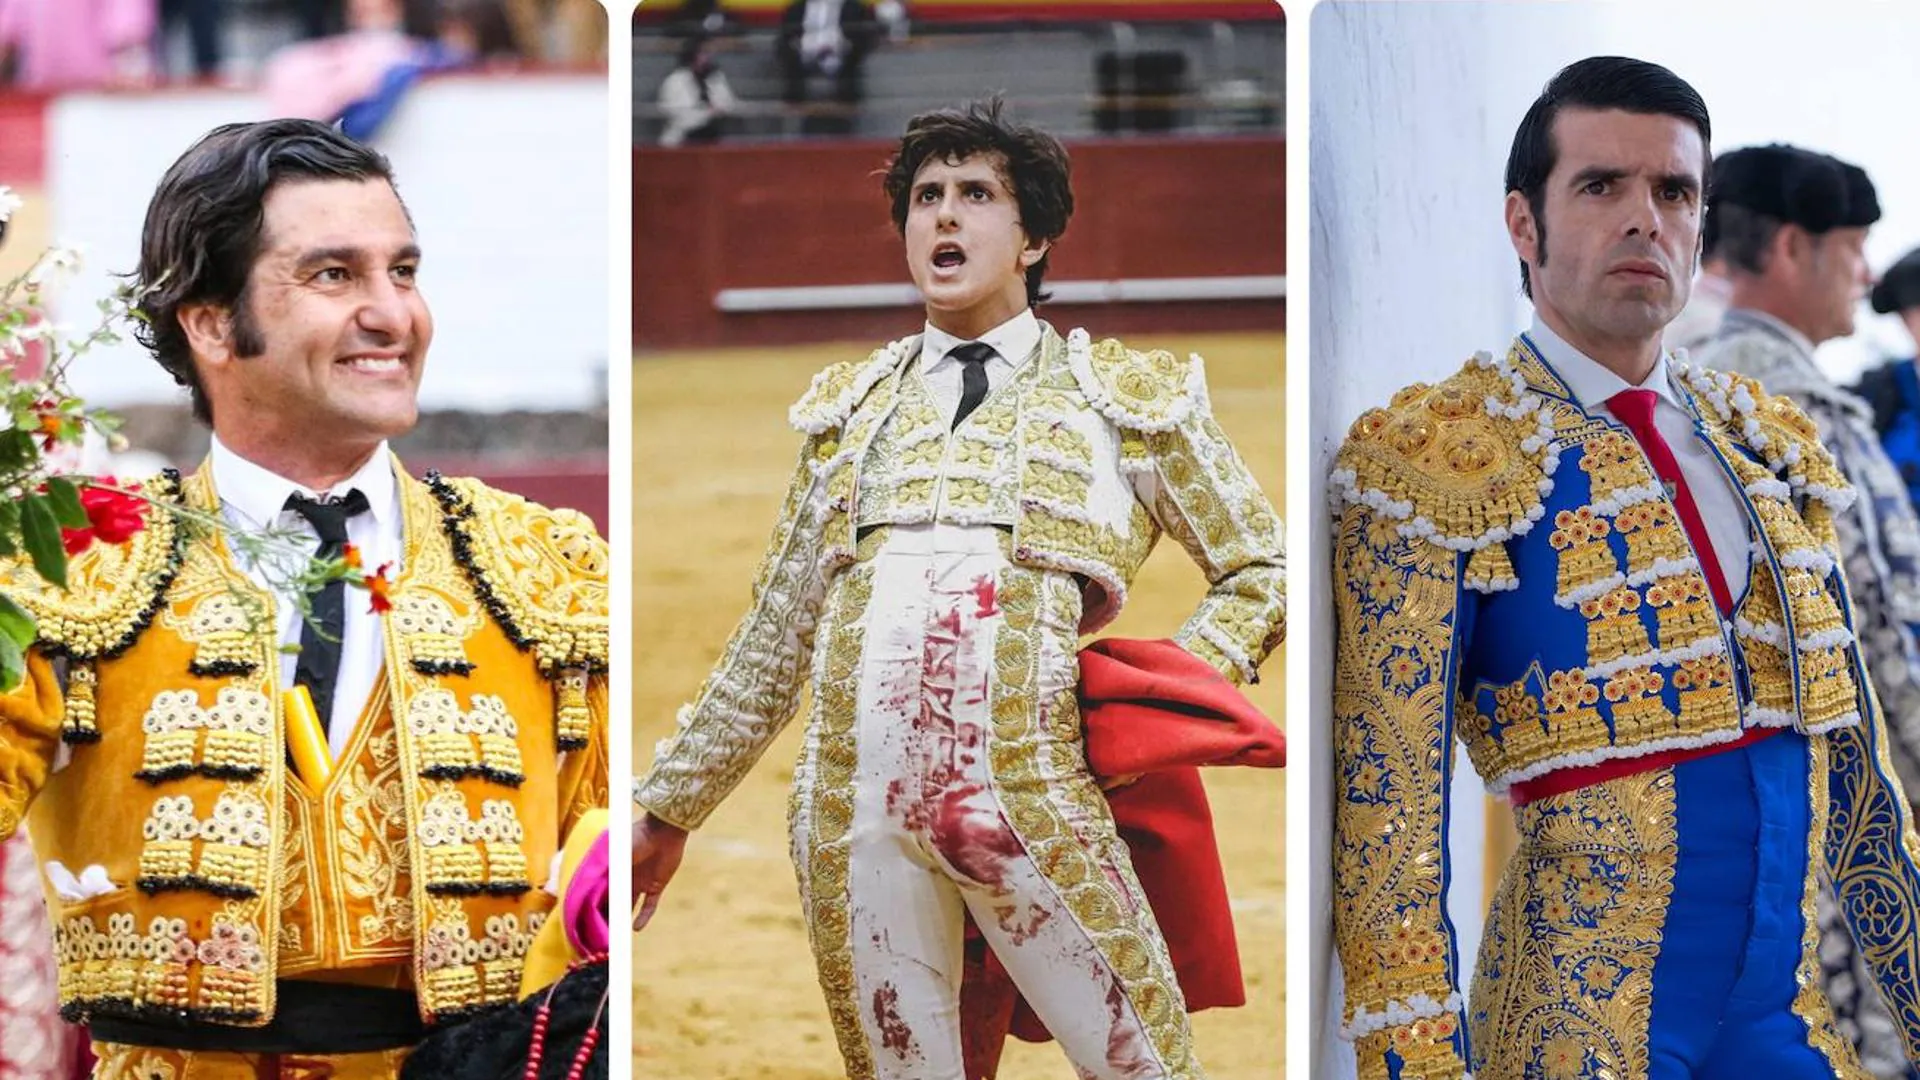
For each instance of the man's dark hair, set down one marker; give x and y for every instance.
(1740, 236)
(1598, 82)
(203, 229)
(1032, 162)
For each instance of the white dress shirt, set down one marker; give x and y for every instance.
(1592, 383)
(254, 498)
(1013, 343)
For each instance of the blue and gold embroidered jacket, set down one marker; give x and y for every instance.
(1510, 572)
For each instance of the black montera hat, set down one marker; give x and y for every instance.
(1899, 288)
(1799, 187)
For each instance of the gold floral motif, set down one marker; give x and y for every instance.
(1394, 602)
(823, 867)
(1871, 858)
(1564, 984)
(371, 851)
(1614, 627)
(1810, 1003)
(1103, 896)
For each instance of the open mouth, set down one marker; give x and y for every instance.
(948, 256)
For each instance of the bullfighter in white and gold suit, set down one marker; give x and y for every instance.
(970, 501)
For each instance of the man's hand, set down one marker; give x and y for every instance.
(657, 847)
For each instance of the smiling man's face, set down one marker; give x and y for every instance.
(331, 334)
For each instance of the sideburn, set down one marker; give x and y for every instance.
(248, 340)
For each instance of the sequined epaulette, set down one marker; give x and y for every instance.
(837, 390)
(1775, 428)
(1466, 463)
(113, 590)
(541, 572)
(1141, 391)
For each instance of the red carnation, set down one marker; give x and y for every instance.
(112, 516)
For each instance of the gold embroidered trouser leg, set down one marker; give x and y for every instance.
(121, 1062)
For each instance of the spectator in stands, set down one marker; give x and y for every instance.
(76, 44)
(357, 79)
(568, 32)
(203, 19)
(695, 97)
(827, 39)
(700, 18)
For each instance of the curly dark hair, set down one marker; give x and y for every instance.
(1032, 162)
(202, 233)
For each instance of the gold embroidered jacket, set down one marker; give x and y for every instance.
(1510, 572)
(1086, 455)
(162, 762)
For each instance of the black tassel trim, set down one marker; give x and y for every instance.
(196, 883)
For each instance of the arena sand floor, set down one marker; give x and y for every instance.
(723, 983)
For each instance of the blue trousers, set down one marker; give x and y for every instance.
(1656, 925)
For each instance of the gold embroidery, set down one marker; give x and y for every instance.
(465, 854)
(835, 754)
(1810, 1003)
(220, 628)
(1564, 984)
(1103, 897)
(225, 854)
(372, 849)
(436, 636)
(123, 972)
(542, 572)
(112, 589)
(464, 972)
(480, 741)
(229, 740)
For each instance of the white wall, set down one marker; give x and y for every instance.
(507, 182)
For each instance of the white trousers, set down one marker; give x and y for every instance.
(945, 771)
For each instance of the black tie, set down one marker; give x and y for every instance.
(320, 636)
(973, 357)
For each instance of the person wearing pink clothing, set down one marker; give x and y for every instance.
(77, 44)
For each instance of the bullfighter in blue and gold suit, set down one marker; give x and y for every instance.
(1621, 594)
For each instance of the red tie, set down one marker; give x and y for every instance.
(1634, 408)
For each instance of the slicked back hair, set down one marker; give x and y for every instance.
(1598, 82)
(204, 225)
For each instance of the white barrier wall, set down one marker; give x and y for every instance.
(506, 178)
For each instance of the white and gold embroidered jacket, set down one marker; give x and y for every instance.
(1085, 456)
(1510, 572)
